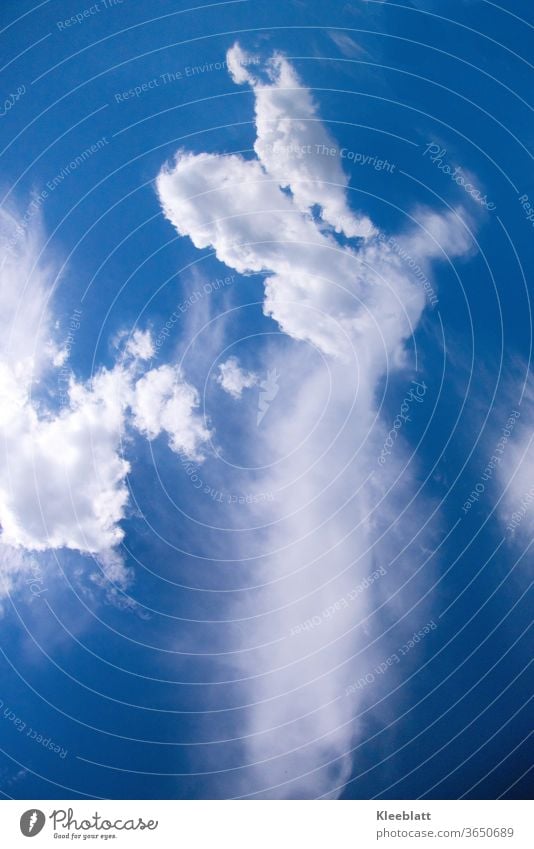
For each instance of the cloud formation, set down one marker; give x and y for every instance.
(163, 402)
(62, 475)
(333, 297)
(337, 515)
(293, 144)
(62, 471)
(233, 379)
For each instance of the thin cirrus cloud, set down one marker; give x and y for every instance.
(336, 516)
(62, 470)
(515, 467)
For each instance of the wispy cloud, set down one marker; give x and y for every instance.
(515, 470)
(346, 44)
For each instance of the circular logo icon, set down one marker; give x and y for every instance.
(32, 822)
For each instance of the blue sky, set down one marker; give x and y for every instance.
(267, 411)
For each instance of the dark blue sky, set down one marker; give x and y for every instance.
(160, 700)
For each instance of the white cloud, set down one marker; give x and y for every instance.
(316, 291)
(163, 402)
(140, 345)
(61, 477)
(293, 145)
(347, 45)
(440, 235)
(234, 379)
(333, 297)
(62, 473)
(331, 523)
(330, 527)
(15, 566)
(237, 61)
(26, 284)
(516, 474)
(64, 477)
